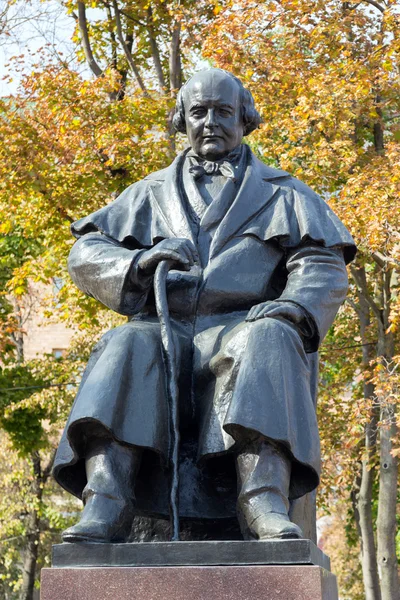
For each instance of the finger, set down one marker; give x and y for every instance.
(193, 250)
(189, 249)
(282, 311)
(263, 310)
(270, 305)
(179, 245)
(171, 255)
(251, 313)
(185, 251)
(256, 312)
(274, 311)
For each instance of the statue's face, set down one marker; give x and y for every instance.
(213, 114)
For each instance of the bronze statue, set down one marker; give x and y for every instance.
(258, 274)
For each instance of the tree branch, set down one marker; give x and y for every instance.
(362, 285)
(83, 28)
(128, 16)
(393, 117)
(354, 306)
(356, 6)
(379, 258)
(383, 261)
(63, 213)
(127, 52)
(373, 3)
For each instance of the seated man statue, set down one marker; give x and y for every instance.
(258, 274)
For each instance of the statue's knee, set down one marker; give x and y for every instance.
(142, 335)
(270, 328)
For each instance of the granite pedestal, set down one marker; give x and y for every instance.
(273, 570)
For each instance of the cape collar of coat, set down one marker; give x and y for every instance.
(259, 185)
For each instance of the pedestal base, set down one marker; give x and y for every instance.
(189, 583)
(194, 554)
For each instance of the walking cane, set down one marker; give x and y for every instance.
(160, 293)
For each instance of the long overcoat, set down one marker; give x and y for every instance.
(277, 240)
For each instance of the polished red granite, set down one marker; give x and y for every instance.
(189, 583)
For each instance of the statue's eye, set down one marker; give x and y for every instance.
(198, 112)
(224, 112)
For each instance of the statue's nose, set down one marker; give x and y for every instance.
(210, 119)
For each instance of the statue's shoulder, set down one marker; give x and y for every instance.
(295, 214)
(114, 217)
(294, 189)
(267, 173)
(138, 190)
(167, 173)
(130, 216)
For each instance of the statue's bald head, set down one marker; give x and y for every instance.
(215, 111)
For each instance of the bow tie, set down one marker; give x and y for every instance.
(200, 167)
(207, 167)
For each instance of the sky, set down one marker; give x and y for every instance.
(31, 26)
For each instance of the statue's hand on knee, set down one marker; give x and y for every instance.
(276, 309)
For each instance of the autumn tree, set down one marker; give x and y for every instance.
(326, 74)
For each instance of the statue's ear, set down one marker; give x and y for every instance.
(251, 118)
(178, 121)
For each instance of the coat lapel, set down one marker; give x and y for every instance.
(256, 191)
(170, 200)
(254, 194)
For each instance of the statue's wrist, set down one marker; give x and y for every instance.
(141, 275)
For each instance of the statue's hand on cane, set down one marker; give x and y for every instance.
(180, 253)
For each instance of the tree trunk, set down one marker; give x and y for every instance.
(368, 466)
(30, 557)
(175, 69)
(368, 550)
(388, 473)
(155, 51)
(175, 78)
(32, 533)
(113, 39)
(17, 336)
(19, 346)
(386, 525)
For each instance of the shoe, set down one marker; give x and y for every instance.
(108, 496)
(263, 503)
(104, 520)
(264, 524)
